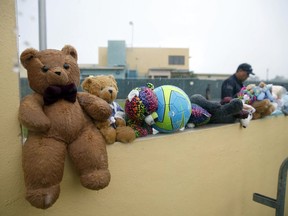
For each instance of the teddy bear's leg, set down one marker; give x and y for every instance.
(201, 101)
(109, 134)
(219, 113)
(43, 164)
(125, 134)
(227, 112)
(232, 108)
(89, 156)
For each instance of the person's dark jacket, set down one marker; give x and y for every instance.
(230, 87)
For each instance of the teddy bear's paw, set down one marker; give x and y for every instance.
(37, 126)
(109, 134)
(43, 197)
(125, 134)
(96, 180)
(110, 140)
(232, 108)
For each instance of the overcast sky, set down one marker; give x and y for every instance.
(220, 34)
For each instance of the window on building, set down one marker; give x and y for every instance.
(176, 60)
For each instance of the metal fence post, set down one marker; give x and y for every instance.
(279, 203)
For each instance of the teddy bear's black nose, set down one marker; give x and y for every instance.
(111, 91)
(58, 73)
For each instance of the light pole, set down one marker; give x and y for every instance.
(132, 32)
(42, 24)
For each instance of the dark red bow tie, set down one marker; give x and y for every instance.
(54, 93)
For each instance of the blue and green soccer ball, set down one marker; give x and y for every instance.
(174, 109)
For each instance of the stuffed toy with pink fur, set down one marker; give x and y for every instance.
(140, 105)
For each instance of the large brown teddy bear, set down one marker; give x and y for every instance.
(59, 120)
(115, 129)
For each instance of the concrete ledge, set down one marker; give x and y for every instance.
(212, 170)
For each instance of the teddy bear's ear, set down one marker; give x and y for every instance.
(112, 77)
(70, 50)
(27, 55)
(86, 84)
(262, 84)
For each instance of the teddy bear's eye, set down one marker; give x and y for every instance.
(66, 66)
(45, 68)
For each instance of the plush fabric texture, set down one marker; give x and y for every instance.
(219, 113)
(247, 95)
(264, 105)
(280, 97)
(60, 122)
(263, 108)
(199, 116)
(115, 129)
(244, 113)
(260, 97)
(284, 106)
(140, 103)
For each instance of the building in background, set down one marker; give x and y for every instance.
(132, 62)
(146, 62)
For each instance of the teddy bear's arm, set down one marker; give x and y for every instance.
(95, 107)
(120, 122)
(31, 114)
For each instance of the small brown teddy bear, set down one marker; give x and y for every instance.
(262, 108)
(115, 129)
(59, 120)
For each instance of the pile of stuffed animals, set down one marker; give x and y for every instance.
(253, 102)
(141, 105)
(60, 120)
(266, 99)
